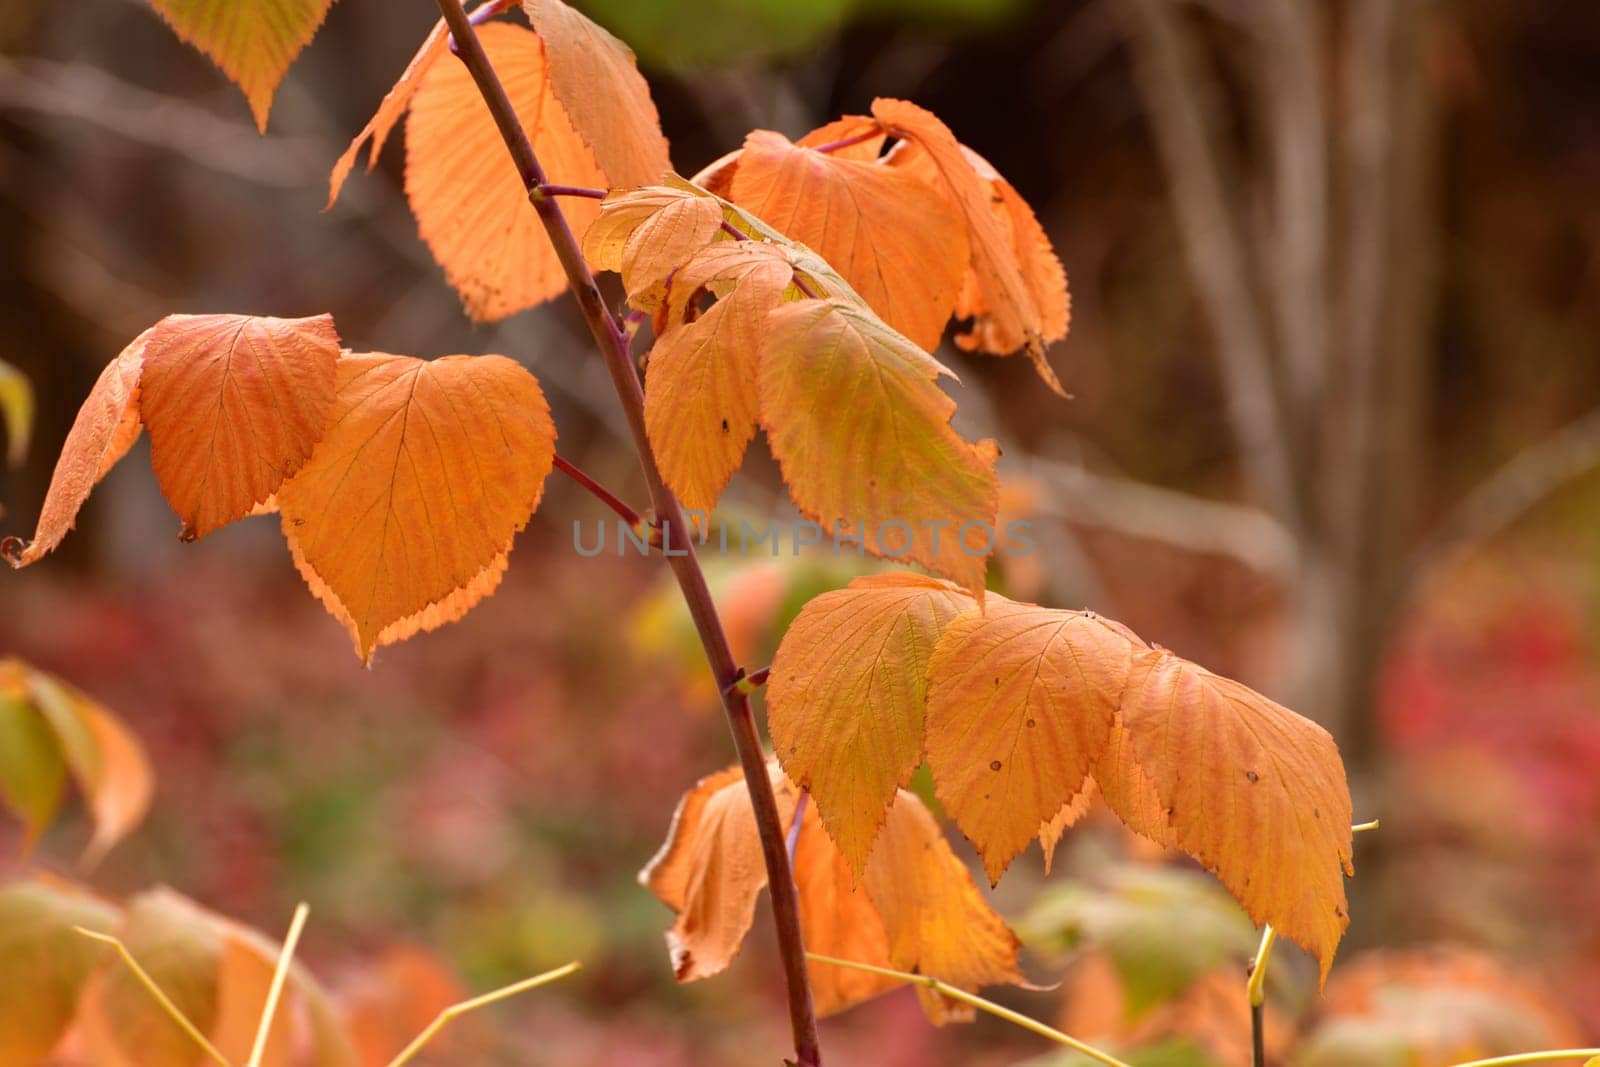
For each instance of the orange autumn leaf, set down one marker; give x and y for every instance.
(80, 738)
(886, 231)
(234, 405)
(33, 770)
(700, 403)
(857, 137)
(837, 918)
(1041, 270)
(1015, 311)
(1128, 791)
(916, 909)
(435, 615)
(253, 41)
(470, 203)
(1021, 705)
(938, 922)
(846, 695)
(105, 428)
(394, 998)
(391, 109)
(864, 136)
(862, 434)
(597, 81)
(710, 871)
(427, 472)
(1050, 832)
(1253, 791)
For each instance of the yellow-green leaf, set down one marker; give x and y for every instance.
(44, 964)
(16, 411)
(862, 434)
(33, 774)
(101, 754)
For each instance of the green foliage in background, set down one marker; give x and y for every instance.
(689, 33)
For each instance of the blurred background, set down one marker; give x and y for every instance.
(1335, 358)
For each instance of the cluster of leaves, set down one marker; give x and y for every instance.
(401, 482)
(84, 1005)
(797, 286)
(159, 981)
(915, 235)
(915, 909)
(1021, 713)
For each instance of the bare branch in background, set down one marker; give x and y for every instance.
(88, 94)
(1173, 87)
(1180, 520)
(1507, 495)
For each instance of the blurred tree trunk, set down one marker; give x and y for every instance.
(1316, 284)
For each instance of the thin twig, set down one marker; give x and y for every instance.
(604, 495)
(975, 1001)
(846, 142)
(156, 992)
(581, 191)
(612, 341)
(1256, 988)
(279, 976)
(483, 13)
(455, 1011)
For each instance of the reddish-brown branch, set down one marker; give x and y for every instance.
(612, 341)
(582, 191)
(605, 496)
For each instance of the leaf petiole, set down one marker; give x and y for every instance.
(846, 142)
